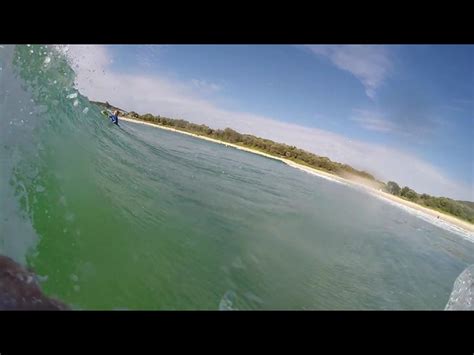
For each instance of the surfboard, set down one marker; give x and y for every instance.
(106, 113)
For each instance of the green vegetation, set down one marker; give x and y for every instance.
(467, 203)
(461, 209)
(393, 188)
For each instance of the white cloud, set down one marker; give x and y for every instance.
(465, 101)
(151, 93)
(205, 86)
(369, 64)
(452, 108)
(373, 121)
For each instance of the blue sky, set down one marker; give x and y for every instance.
(375, 101)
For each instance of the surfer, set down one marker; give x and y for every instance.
(114, 117)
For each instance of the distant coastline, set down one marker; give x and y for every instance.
(469, 227)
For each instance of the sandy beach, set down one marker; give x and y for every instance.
(466, 226)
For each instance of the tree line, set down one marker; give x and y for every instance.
(264, 145)
(461, 209)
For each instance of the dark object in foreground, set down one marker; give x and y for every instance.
(20, 290)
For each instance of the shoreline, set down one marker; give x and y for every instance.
(456, 222)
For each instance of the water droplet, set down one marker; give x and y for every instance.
(238, 264)
(42, 278)
(227, 301)
(47, 59)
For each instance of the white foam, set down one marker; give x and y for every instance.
(462, 295)
(317, 174)
(430, 219)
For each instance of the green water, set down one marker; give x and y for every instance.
(141, 218)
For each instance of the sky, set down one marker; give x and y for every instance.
(403, 113)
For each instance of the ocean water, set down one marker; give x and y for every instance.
(141, 218)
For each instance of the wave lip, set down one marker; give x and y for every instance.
(462, 296)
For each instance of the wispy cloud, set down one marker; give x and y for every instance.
(391, 123)
(372, 121)
(205, 86)
(459, 105)
(151, 93)
(371, 65)
(465, 101)
(452, 108)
